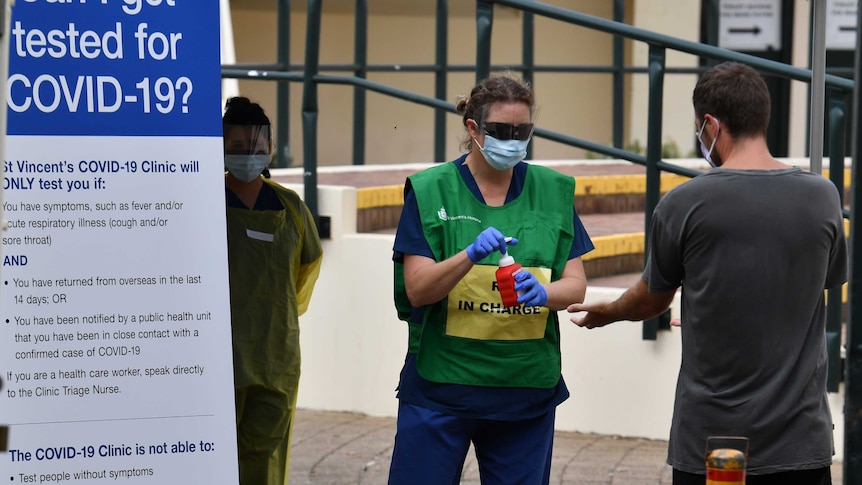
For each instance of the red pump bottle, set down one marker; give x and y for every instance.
(506, 280)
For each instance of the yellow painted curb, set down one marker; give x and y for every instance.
(388, 195)
(848, 173)
(622, 184)
(616, 245)
(392, 195)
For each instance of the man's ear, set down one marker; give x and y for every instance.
(712, 124)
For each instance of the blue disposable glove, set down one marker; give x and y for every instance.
(530, 291)
(487, 242)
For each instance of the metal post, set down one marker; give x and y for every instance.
(818, 84)
(484, 22)
(712, 16)
(441, 62)
(528, 48)
(360, 56)
(310, 109)
(656, 69)
(618, 100)
(282, 96)
(833, 296)
(5, 17)
(853, 370)
(5, 21)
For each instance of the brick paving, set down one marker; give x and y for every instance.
(337, 448)
(610, 224)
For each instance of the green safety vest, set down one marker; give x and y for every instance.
(469, 337)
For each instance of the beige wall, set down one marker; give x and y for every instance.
(676, 19)
(402, 31)
(799, 91)
(398, 131)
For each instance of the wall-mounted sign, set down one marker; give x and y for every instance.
(750, 25)
(841, 24)
(115, 340)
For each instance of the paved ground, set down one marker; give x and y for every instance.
(332, 448)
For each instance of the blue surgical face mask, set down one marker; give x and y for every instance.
(503, 154)
(707, 154)
(246, 167)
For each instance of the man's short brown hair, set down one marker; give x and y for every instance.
(735, 94)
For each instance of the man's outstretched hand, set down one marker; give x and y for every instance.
(598, 314)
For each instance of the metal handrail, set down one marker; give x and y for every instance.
(681, 45)
(233, 70)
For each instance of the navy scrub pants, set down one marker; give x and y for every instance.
(430, 448)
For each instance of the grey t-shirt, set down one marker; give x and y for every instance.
(753, 251)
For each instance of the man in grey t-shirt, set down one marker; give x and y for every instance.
(753, 243)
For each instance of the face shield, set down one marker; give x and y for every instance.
(247, 150)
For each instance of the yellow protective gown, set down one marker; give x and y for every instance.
(274, 259)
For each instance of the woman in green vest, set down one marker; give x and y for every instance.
(477, 371)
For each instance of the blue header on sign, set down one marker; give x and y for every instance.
(114, 68)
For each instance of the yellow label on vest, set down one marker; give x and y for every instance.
(475, 310)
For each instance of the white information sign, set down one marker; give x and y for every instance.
(115, 341)
(750, 25)
(841, 24)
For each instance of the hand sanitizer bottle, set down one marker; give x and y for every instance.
(506, 280)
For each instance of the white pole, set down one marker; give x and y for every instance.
(5, 18)
(818, 85)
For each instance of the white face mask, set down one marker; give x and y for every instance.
(503, 154)
(707, 154)
(246, 167)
